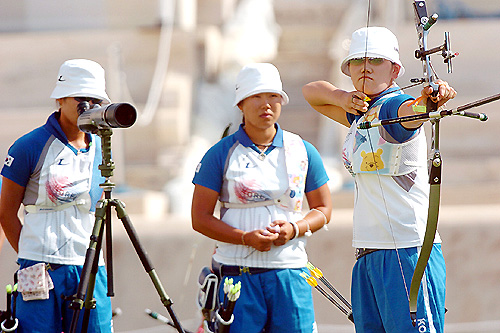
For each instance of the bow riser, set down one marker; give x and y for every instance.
(423, 23)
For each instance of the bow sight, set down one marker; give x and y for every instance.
(423, 24)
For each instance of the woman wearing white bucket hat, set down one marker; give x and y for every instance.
(260, 174)
(53, 172)
(391, 200)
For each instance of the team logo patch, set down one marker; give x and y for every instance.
(8, 160)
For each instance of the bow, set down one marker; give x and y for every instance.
(423, 23)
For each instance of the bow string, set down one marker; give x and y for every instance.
(373, 152)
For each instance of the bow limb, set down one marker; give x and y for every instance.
(432, 222)
(430, 234)
(422, 24)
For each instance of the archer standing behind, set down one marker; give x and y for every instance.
(53, 172)
(261, 174)
(392, 191)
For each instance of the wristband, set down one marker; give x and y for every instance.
(308, 233)
(243, 238)
(296, 228)
(325, 220)
(419, 108)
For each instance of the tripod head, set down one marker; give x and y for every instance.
(107, 166)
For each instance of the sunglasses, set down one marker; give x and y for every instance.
(360, 61)
(88, 99)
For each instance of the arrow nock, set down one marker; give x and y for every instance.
(315, 271)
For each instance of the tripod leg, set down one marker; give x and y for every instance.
(146, 263)
(90, 302)
(91, 257)
(109, 250)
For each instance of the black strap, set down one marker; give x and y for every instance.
(361, 252)
(239, 270)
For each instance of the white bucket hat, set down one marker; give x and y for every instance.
(81, 78)
(258, 78)
(373, 42)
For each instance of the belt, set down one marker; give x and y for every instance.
(361, 252)
(53, 267)
(239, 270)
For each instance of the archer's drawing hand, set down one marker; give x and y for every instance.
(355, 102)
(445, 93)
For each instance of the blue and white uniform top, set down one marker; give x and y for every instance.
(389, 165)
(258, 188)
(62, 189)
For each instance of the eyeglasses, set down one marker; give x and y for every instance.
(88, 99)
(360, 61)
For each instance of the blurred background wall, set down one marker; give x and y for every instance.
(176, 62)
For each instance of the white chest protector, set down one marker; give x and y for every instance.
(296, 167)
(368, 151)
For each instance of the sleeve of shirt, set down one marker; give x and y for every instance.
(390, 110)
(350, 117)
(316, 173)
(22, 158)
(209, 171)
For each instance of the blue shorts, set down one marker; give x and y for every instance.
(53, 314)
(278, 301)
(380, 298)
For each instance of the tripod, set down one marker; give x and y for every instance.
(103, 219)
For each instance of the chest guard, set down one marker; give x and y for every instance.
(367, 151)
(296, 165)
(67, 179)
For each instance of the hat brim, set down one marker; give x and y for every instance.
(260, 91)
(61, 93)
(345, 63)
